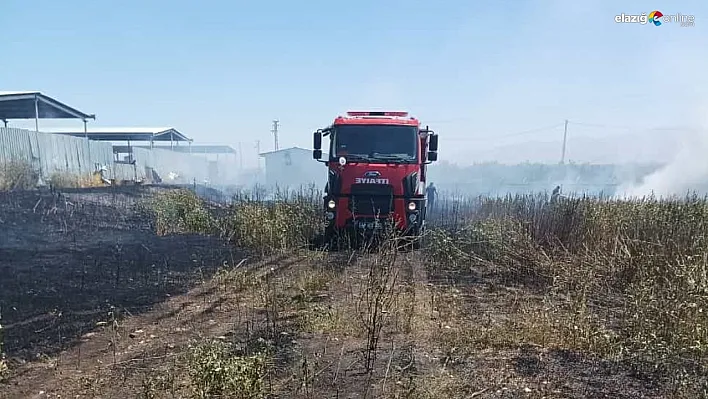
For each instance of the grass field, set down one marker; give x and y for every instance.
(511, 297)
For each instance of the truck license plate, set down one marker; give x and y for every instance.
(368, 225)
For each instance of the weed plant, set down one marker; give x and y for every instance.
(626, 278)
(17, 175)
(623, 280)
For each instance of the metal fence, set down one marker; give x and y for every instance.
(52, 153)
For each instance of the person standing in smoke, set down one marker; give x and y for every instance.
(555, 194)
(431, 192)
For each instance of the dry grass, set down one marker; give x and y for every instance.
(625, 281)
(288, 223)
(17, 175)
(75, 180)
(3, 364)
(21, 175)
(530, 298)
(266, 228)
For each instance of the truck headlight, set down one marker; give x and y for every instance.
(331, 204)
(411, 206)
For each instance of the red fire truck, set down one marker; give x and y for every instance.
(377, 171)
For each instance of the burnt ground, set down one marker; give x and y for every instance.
(68, 260)
(94, 305)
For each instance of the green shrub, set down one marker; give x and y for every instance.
(216, 371)
(287, 223)
(181, 211)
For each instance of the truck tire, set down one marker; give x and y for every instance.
(329, 240)
(419, 239)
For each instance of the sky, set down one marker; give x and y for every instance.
(496, 79)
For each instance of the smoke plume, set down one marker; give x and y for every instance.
(687, 172)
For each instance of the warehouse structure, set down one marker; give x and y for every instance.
(36, 105)
(292, 168)
(85, 151)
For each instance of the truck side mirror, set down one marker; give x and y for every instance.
(433, 143)
(317, 154)
(317, 140)
(432, 156)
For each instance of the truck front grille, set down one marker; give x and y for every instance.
(371, 199)
(371, 205)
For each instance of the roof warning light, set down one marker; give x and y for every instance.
(401, 114)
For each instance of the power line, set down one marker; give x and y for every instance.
(444, 121)
(620, 127)
(601, 126)
(578, 123)
(513, 134)
(569, 122)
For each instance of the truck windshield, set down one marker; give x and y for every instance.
(386, 143)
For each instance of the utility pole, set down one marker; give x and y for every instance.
(258, 155)
(565, 140)
(275, 133)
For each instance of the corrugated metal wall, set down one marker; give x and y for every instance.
(187, 167)
(53, 153)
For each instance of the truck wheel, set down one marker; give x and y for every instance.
(419, 239)
(329, 240)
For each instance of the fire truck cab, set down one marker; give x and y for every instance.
(376, 172)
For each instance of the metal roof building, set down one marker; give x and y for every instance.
(36, 105)
(293, 167)
(198, 149)
(127, 134)
(208, 149)
(150, 134)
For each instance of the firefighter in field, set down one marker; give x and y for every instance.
(431, 191)
(555, 194)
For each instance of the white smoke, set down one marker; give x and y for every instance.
(684, 97)
(687, 172)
